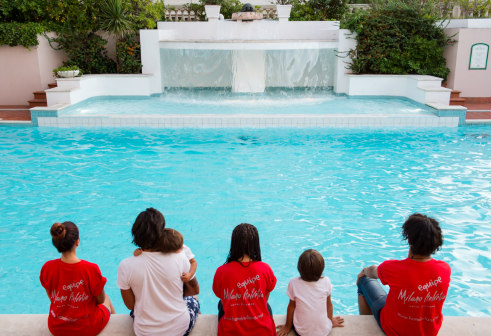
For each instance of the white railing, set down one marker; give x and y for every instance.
(182, 14)
(453, 11)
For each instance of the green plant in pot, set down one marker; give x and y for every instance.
(69, 71)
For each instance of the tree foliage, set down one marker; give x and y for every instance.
(318, 10)
(397, 38)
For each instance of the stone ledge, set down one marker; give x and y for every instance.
(121, 325)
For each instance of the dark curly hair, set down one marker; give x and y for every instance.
(147, 229)
(245, 240)
(310, 265)
(423, 234)
(64, 236)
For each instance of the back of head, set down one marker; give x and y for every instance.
(147, 229)
(64, 236)
(172, 241)
(310, 265)
(245, 240)
(423, 234)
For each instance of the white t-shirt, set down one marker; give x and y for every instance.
(187, 251)
(155, 279)
(310, 316)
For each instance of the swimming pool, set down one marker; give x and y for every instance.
(343, 192)
(224, 102)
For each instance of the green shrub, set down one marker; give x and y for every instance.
(23, 11)
(227, 8)
(144, 13)
(398, 38)
(86, 50)
(22, 34)
(129, 55)
(318, 10)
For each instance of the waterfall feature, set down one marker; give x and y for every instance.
(244, 56)
(247, 70)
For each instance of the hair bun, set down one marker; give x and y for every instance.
(58, 231)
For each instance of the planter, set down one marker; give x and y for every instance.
(212, 12)
(283, 12)
(68, 73)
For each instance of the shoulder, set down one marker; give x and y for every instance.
(389, 264)
(262, 265)
(129, 262)
(51, 263)
(325, 281)
(442, 266)
(50, 266)
(88, 264)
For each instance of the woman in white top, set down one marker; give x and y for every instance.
(151, 283)
(310, 310)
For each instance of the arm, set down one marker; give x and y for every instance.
(191, 287)
(285, 329)
(370, 272)
(128, 298)
(185, 277)
(101, 297)
(337, 321)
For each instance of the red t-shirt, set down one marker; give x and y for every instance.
(72, 289)
(243, 289)
(416, 295)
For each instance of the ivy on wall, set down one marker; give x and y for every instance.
(22, 34)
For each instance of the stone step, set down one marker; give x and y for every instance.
(37, 102)
(455, 94)
(52, 85)
(39, 95)
(457, 101)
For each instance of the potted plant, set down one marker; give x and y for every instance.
(283, 9)
(69, 71)
(212, 9)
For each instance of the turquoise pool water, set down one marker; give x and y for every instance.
(343, 192)
(309, 101)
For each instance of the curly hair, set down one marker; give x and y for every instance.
(423, 234)
(245, 240)
(64, 236)
(147, 229)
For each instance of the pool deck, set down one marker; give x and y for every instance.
(122, 325)
(477, 113)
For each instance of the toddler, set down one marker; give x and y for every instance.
(310, 309)
(173, 242)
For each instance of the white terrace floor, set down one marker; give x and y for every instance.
(206, 325)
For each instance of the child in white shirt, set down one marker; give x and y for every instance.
(172, 241)
(310, 309)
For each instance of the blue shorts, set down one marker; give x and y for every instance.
(374, 294)
(193, 308)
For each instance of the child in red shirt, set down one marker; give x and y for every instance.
(243, 285)
(79, 305)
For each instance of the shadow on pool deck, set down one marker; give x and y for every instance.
(122, 325)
